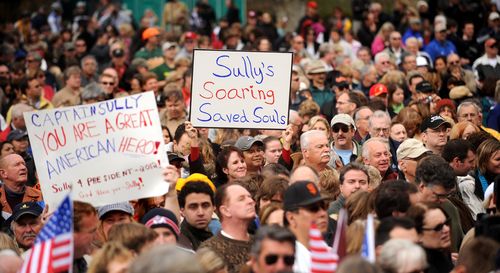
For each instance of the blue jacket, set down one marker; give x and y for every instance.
(435, 49)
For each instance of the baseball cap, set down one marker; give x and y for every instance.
(411, 148)
(493, 16)
(377, 90)
(118, 52)
(245, 142)
(160, 217)
(17, 135)
(31, 208)
(344, 119)
(422, 61)
(316, 67)
(150, 32)
(123, 206)
(433, 122)
(191, 35)
(312, 4)
(300, 194)
(424, 87)
(490, 42)
(168, 45)
(439, 27)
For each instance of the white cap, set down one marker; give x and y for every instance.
(422, 61)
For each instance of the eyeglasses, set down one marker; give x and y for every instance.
(440, 196)
(316, 207)
(439, 227)
(386, 62)
(271, 259)
(454, 62)
(378, 130)
(437, 130)
(471, 115)
(337, 127)
(108, 83)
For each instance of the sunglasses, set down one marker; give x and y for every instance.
(273, 258)
(316, 207)
(107, 83)
(439, 227)
(337, 127)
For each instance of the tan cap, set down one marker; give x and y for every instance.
(316, 67)
(344, 119)
(411, 148)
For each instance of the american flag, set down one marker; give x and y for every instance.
(322, 259)
(53, 249)
(368, 247)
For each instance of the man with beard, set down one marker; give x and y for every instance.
(315, 149)
(253, 151)
(13, 191)
(236, 210)
(26, 223)
(434, 133)
(196, 201)
(303, 205)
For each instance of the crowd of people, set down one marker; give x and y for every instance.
(394, 115)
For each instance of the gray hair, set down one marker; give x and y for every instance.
(88, 57)
(365, 70)
(411, 40)
(19, 109)
(381, 55)
(399, 255)
(356, 115)
(305, 138)
(325, 49)
(274, 233)
(366, 151)
(92, 91)
(467, 103)
(166, 259)
(379, 114)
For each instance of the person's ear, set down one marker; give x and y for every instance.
(225, 170)
(290, 217)
(421, 187)
(402, 165)
(224, 210)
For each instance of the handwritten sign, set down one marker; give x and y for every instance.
(106, 152)
(237, 89)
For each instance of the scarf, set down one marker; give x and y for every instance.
(194, 235)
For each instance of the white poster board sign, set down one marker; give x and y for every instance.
(239, 89)
(106, 152)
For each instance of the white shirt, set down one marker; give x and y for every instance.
(302, 259)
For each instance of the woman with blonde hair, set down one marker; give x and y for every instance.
(463, 129)
(488, 166)
(210, 261)
(113, 257)
(320, 123)
(382, 38)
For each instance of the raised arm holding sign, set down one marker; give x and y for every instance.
(106, 152)
(237, 89)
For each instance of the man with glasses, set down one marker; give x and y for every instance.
(455, 70)
(108, 84)
(435, 133)
(304, 205)
(409, 153)
(470, 111)
(344, 149)
(436, 182)
(253, 152)
(440, 46)
(347, 103)
(273, 250)
(353, 177)
(382, 64)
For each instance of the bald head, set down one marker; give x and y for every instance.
(304, 173)
(13, 171)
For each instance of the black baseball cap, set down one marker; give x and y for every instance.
(118, 52)
(424, 87)
(433, 122)
(17, 135)
(300, 194)
(21, 209)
